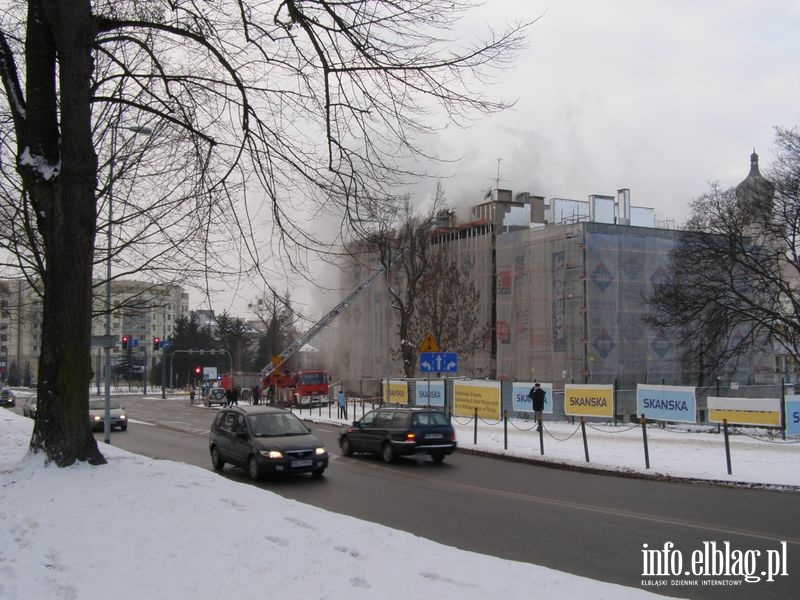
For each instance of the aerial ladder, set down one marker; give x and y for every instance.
(294, 348)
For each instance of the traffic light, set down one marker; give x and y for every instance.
(156, 344)
(124, 342)
(198, 371)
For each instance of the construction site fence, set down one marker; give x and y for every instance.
(371, 391)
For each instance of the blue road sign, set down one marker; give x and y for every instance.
(438, 362)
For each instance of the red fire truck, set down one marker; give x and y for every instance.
(305, 388)
(311, 386)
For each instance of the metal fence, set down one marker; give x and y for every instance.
(371, 390)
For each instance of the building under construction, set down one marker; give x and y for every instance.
(563, 286)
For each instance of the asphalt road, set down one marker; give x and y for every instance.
(587, 524)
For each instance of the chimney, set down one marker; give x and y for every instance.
(624, 206)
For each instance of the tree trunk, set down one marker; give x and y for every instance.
(67, 202)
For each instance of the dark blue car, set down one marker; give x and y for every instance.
(265, 441)
(393, 432)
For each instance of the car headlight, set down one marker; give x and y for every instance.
(123, 417)
(98, 418)
(319, 451)
(272, 453)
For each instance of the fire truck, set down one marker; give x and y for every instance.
(306, 388)
(309, 386)
(238, 379)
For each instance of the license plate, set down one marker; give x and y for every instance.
(434, 436)
(302, 463)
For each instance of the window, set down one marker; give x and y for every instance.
(368, 419)
(384, 419)
(230, 421)
(431, 418)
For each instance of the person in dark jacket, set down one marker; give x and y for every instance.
(537, 395)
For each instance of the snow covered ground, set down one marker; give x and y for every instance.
(135, 529)
(139, 528)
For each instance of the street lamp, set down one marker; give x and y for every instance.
(109, 344)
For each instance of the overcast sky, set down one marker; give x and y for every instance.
(661, 97)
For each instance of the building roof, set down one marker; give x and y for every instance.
(755, 193)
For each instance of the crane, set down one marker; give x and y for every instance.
(291, 350)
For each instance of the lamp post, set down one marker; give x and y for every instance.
(109, 345)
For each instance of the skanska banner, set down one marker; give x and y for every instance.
(430, 393)
(522, 402)
(666, 403)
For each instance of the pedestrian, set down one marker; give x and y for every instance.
(342, 405)
(236, 393)
(537, 395)
(191, 395)
(256, 394)
(271, 394)
(228, 396)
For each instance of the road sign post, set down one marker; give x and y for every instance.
(438, 362)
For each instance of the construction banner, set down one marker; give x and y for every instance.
(430, 393)
(521, 401)
(666, 403)
(397, 392)
(793, 414)
(582, 400)
(745, 411)
(481, 395)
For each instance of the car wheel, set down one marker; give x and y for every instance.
(123, 427)
(346, 446)
(318, 473)
(253, 469)
(387, 452)
(216, 459)
(437, 457)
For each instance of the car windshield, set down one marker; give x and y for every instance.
(101, 404)
(273, 425)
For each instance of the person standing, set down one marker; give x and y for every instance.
(256, 394)
(537, 395)
(342, 402)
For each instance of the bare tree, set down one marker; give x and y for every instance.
(447, 307)
(734, 277)
(401, 238)
(314, 104)
(277, 316)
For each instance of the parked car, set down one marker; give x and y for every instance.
(215, 396)
(265, 440)
(7, 397)
(29, 407)
(97, 412)
(393, 432)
